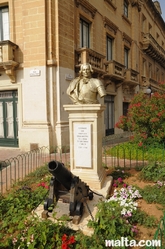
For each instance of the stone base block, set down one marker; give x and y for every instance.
(93, 179)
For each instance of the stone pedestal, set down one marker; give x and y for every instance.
(85, 126)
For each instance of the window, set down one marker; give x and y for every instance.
(126, 9)
(150, 70)
(157, 37)
(126, 53)
(149, 28)
(109, 48)
(157, 74)
(162, 78)
(144, 23)
(144, 67)
(125, 108)
(4, 23)
(84, 34)
(109, 115)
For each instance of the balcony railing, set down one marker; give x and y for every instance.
(86, 55)
(114, 70)
(152, 48)
(150, 82)
(7, 58)
(131, 77)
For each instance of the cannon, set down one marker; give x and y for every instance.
(68, 188)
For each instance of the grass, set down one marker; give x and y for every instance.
(131, 151)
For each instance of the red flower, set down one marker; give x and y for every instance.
(64, 246)
(71, 240)
(43, 184)
(66, 241)
(140, 144)
(64, 237)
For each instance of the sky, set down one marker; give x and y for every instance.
(162, 5)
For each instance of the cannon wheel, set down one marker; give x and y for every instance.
(79, 208)
(90, 196)
(47, 203)
(72, 208)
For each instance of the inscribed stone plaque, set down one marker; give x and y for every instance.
(82, 145)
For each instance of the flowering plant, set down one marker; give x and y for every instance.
(43, 184)
(67, 241)
(118, 182)
(112, 220)
(126, 198)
(160, 184)
(145, 118)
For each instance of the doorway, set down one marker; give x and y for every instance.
(9, 118)
(109, 114)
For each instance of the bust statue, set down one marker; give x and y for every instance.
(84, 89)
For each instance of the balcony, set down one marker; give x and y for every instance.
(155, 85)
(131, 77)
(7, 59)
(114, 71)
(86, 55)
(153, 49)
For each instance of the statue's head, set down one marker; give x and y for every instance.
(86, 70)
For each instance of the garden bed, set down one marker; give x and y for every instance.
(152, 209)
(20, 231)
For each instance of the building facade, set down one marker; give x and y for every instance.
(43, 43)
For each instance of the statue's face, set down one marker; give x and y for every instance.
(86, 71)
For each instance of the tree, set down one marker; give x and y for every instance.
(145, 118)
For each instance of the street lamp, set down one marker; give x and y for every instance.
(149, 91)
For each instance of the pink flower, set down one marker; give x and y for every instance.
(124, 185)
(120, 180)
(134, 229)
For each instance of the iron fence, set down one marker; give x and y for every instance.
(128, 155)
(16, 168)
(123, 155)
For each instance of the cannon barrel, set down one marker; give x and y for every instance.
(61, 173)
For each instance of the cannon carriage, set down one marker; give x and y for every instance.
(68, 188)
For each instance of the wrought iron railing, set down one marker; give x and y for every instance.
(114, 155)
(15, 169)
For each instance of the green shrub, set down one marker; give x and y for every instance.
(154, 194)
(145, 118)
(153, 172)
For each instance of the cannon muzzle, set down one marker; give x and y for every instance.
(61, 173)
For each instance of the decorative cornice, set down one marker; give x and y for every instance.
(127, 38)
(110, 2)
(110, 24)
(137, 3)
(87, 6)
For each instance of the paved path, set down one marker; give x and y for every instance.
(8, 152)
